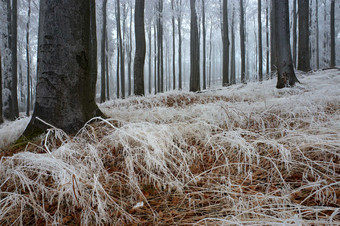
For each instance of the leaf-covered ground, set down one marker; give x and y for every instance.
(245, 154)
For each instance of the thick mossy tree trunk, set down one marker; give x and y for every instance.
(285, 68)
(65, 95)
(140, 48)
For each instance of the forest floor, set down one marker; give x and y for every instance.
(245, 154)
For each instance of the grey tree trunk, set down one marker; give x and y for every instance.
(160, 65)
(28, 77)
(107, 67)
(11, 110)
(204, 33)
(286, 75)
(259, 40)
(267, 39)
(103, 56)
(140, 48)
(294, 32)
(273, 50)
(226, 44)
(130, 54)
(317, 34)
(194, 50)
(303, 48)
(173, 46)
(232, 59)
(150, 58)
(118, 56)
(242, 40)
(332, 63)
(179, 20)
(155, 59)
(65, 88)
(121, 52)
(1, 119)
(210, 55)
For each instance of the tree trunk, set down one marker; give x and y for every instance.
(267, 39)
(260, 39)
(160, 65)
(194, 50)
(155, 59)
(173, 46)
(210, 55)
(65, 96)
(303, 51)
(232, 60)
(121, 52)
(317, 34)
(107, 67)
(286, 75)
(294, 32)
(179, 19)
(28, 97)
(140, 48)
(130, 54)
(1, 119)
(204, 33)
(150, 58)
(243, 57)
(11, 110)
(273, 60)
(225, 41)
(332, 64)
(103, 56)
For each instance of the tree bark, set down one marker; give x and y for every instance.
(226, 44)
(11, 110)
(267, 39)
(1, 119)
(130, 54)
(160, 65)
(303, 51)
(28, 97)
(121, 52)
(232, 59)
(179, 20)
(294, 32)
(260, 40)
(286, 75)
(243, 57)
(204, 33)
(140, 48)
(332, 63)
(65, 96)
(150, 57)
(317, 34)
(173, 46)
(194, 50)
(273, 60)
(103, 56)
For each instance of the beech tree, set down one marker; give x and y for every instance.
(225, 41)
(242, 43)
(65, 89)
(260, 39)
(285, 69)
(194, 50)
(140, 48)
(103, 56)
(1, 119)
(303, 48)
(11, 109)
(332, 63)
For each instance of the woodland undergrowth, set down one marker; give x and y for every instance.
(245, 154)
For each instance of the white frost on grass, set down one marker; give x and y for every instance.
(235, 155)
(11, 131)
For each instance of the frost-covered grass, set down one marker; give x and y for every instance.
(10, 131)
(246, 154)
